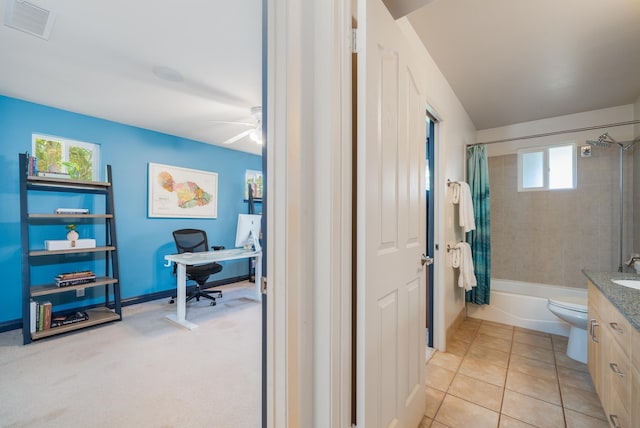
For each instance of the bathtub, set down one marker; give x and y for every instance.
(524, 304)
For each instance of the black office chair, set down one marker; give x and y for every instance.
(193, 241)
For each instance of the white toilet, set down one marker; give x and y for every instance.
(573, 310)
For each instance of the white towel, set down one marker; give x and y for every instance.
(462, 197)
(462, 259)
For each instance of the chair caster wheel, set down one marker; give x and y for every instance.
(171, 301)
(212, 304)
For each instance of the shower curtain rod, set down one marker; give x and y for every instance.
(566, 131)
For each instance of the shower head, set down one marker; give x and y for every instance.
(599, 143)
(605, 138)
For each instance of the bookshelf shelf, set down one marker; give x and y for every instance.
(47, 289)
(105, 255)
(97, 316)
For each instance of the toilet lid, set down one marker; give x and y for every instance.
(578, 304)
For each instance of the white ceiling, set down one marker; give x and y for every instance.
(100, 57)
(512, 61)
(508, 61)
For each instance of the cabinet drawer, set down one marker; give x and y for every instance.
(617, 415)
(619, 374)
(620, 328)
(635, 351)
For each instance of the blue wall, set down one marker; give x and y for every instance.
(142, 241)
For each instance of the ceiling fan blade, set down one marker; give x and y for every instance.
(238, 137)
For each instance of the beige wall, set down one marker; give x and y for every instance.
(550, 236)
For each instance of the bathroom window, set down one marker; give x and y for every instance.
(547, 168)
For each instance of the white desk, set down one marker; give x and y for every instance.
(201, 258)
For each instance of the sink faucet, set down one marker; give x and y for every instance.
(634, 258)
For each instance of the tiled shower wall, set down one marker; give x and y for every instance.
(548, 237)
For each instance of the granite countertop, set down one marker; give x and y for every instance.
(625, 299)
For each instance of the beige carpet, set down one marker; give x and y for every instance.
(141, 372)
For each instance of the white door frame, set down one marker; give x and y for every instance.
(309, 221)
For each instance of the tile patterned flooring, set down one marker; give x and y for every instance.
(496, 375)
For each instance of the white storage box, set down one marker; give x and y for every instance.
(66, 245)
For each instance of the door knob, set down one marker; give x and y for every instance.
(426, 260)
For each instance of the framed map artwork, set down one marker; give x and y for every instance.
(181, 192)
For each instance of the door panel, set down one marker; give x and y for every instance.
(391, 207)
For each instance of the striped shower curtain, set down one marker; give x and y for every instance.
(479, 239)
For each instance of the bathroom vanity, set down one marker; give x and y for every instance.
(614, 346)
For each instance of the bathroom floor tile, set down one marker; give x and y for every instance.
(484, 371)
(456, 412)
(509, 422)
(532, 367)
(534, 386)
(446, 360)
(533, 339)
(585, 402)
(562, 360)
(534, 352)
(497, 324)
(559, 343)
(529, 331)
(477, 391)
(465, 335)
(425, 422)
(532, 411)
(439, 378)
(491, 355)
(500, 332)
(579, 420)
(575, 378)
(434, 399)
(457, 347)
(501, 344)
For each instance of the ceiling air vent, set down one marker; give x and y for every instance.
(27, 17)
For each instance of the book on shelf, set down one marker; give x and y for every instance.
(33, 319)
(32, 164)
(75, 317)
(46, 322)
(51, 174)
(75, 278)
(41, 315)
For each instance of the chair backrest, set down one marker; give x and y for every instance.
(190, 240)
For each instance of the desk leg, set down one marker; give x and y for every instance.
(181, 304)
(258, 276)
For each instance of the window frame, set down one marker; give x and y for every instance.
(66, 144)
(545, 166)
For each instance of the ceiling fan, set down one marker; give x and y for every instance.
(255, 128)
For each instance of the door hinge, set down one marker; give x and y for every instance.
(354, 40)
(263, 285)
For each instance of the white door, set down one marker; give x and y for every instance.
(391, 234)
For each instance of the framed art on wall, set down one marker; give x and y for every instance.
(182, 192)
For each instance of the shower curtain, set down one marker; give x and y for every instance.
(479, 239)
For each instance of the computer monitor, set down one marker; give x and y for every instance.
(248, 231)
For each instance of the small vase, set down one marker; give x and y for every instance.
(73, 237)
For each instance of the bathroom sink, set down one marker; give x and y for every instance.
(631, 283)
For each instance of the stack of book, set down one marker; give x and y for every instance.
(40, 316)
(32, 164)
(75, 278)
(75, 317)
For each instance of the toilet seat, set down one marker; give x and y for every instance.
(578, 304)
